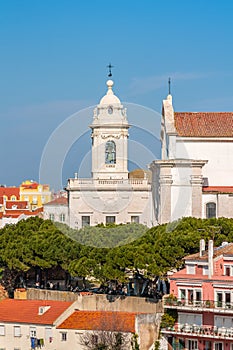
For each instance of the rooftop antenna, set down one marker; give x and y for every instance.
(169, 86)
(110, 69)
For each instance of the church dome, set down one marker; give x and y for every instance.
(110, 98)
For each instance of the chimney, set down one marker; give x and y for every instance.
(202, 246)
(210, 257)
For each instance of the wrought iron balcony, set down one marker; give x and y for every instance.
(199, 331)
(210, 305)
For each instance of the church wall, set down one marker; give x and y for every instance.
(122, 204)
(224, 204)
(181, 192)
(219, 168)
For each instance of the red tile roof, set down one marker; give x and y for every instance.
(32, 185)
(204, 124)
(101, 320)
(9, 191)
(18, 212)
(58, 201)
(26, 311)
(225, 250)
(218, 189)
(17, 204)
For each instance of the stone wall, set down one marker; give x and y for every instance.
(98, 301)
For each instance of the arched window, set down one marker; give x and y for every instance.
(210, 210)
(110, 152)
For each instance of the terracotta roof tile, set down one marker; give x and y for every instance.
(101, 320)
(218, 189)
(18, 204)
(225, 250)
(204, 124)
(9, 191)
(26, 311)
(32, 185)
(58, 201)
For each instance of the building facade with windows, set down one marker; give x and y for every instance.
(194, 175)
(202, 295)
(31, 324)
(35, 194)
(192, 178)
(57, 210)
(110, 195)
(13, 208)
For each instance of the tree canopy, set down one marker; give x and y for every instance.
(39, 243)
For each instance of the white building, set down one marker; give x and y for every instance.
(57, 210)
(193, 177)
(111, 195)
(195, 174)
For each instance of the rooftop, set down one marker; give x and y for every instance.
(9, 191)
(101, 320)
(58, 201)
(27, 311)
(225, 250)
(204, 124)
(217, 189)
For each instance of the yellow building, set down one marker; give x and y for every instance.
(35, 194)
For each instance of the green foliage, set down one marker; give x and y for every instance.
(105, 236)
(167, 320)
(134, 342)
(106, 253)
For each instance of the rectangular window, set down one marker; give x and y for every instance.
(227, 270)
(228, 299)
(182, 293)
(17, 331)
(86, 220)
(110, 219)
(198, 295)
(63, 336)
(62, 217)
(32, 331)
(207, 345)
(219, 299)
(210, 210)
(218, 346)
(192, 345)
(2, 330)
(51, 217)
(135, 219)
(34, 200)
(190, 296)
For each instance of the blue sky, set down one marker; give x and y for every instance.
(54, 56)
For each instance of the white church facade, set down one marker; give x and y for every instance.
(111, 195)
(194, 176)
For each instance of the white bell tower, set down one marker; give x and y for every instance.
(110, 138)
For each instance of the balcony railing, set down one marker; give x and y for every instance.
(133, 182)
(175, 303)
(199, 331)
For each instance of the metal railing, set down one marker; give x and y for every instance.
(200, 331)
(204, 304)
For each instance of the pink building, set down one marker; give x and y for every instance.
(202, 294)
